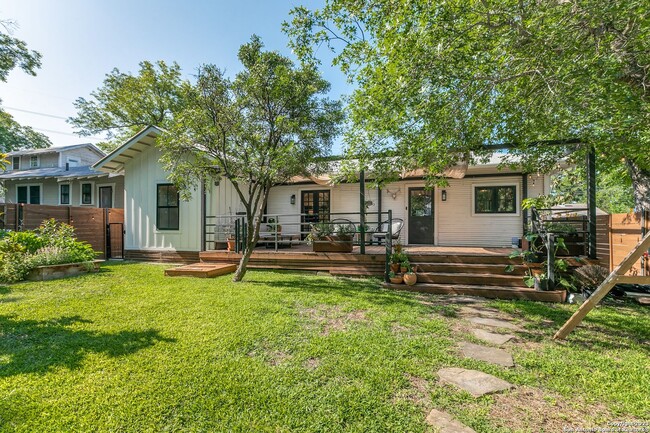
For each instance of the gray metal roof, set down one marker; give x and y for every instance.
(57, 149)
(52, 172)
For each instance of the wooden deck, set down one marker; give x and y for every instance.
(201, 270)
(471, 271)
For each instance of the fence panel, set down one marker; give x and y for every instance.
(625, 234)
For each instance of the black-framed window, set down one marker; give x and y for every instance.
(15, 162)
(495, 199)
(64, 193)
(30, 194)
(167, 207)
(86, 193)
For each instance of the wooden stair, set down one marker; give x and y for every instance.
(201, 270)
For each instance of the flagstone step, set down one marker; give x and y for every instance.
(474, 382)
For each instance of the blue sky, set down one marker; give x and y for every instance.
(82, 40)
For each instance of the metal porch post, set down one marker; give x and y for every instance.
(524, 212)
(362, 212)
(591, 201)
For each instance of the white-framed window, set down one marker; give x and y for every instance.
(29, 194)
(34, 162)
(86, 193)
(64, 193)
(15, 163)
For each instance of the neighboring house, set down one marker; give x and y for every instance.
(481, 207)
(61, 176)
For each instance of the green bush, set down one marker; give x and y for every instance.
(52, 243)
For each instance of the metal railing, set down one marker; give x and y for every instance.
(541, 220)
(285, 230)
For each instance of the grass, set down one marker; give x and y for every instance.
(130, 350)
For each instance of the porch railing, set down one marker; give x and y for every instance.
(285, 230)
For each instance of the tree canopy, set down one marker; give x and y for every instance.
(126, 103)
(15, 54)
(439, 81)
(257, 130)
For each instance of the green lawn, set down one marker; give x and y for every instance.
(129, 350)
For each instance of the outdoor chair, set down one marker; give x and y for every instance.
(335, 223)
(380, 234)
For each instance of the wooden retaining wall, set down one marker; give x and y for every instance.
(90, 223)
(617, 234)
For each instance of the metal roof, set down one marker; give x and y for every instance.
(60, 173)
(57, 149)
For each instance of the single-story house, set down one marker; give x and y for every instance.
(479, 207)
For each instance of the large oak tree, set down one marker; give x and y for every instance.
(257, 130)
(439, 81)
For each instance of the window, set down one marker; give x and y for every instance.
(64, 196)
(72, 162)
(495, 199)
(15, 163)
(28, 194)
(167, 207)
(86, 193)
(33, 161)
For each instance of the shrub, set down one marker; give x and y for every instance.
(52, 243)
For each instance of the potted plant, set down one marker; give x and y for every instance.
(324, 240)
(396, 260)
(395, 278)
(410, 277)
(272, 226)
(230, 238)
(404, 266)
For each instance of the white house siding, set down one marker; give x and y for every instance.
(454, 221)
(142, 174)
(83, 154)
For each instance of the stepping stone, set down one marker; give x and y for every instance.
(471, 311)
(494, 323)
(487, 354)
(491, 337)
(445, 423)
(475, 382)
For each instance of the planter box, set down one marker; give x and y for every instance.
(53, 272)
(332, 244)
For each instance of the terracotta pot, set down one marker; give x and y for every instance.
(410, 279)
(231, 244)
(394, 267)
(403, 269)
(396, 279)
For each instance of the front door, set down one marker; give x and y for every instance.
(315, 207)
(106, 196)
(420, 218)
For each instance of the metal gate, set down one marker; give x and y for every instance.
(115, 240)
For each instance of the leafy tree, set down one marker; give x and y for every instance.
(256, 130)
(439, 81)
(126, 103)
(14, 53)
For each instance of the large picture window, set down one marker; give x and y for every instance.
(495, 199)
(167, 207)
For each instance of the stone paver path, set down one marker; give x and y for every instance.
(491, 337)
(487, 354)
(494, 323)
(475, 382)
(446, 423)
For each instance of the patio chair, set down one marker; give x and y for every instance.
(335, 223)
(379, 235)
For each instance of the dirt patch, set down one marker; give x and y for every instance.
(531, 410)
(271, 357)
(312, 364)
(417, 392)
(332, 318)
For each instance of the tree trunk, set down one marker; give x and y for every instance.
(640, 183)
(252, 235)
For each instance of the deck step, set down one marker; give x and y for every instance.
(493, 292)
(201, 270)
(473, 268)
(471, 279)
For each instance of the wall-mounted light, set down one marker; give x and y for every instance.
(444, 195)
(293, 199)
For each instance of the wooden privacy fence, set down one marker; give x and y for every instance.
(101, 228)
(617, 234)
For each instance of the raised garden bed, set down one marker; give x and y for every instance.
(54, 272)
(332, 244)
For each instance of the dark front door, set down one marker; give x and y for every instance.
(315, 207)
(420, 219)
(106, 196)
